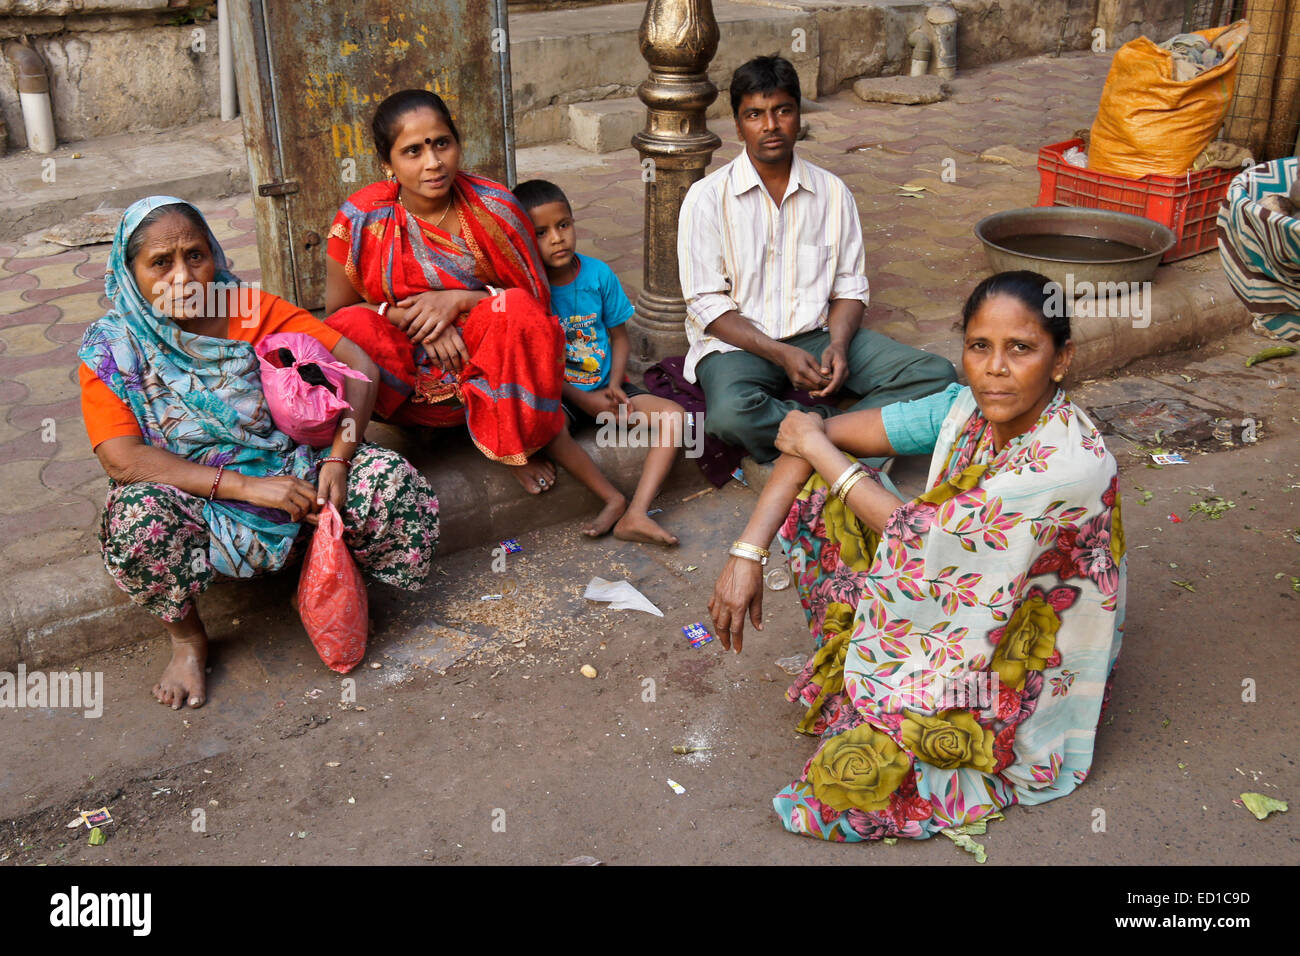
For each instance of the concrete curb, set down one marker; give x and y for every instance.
(61, 612)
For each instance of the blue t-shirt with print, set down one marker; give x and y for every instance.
(588, 307)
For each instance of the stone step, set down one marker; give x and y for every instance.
(559, 58)
(71, 609)
(115, 171)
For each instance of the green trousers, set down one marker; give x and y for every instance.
(740, 388)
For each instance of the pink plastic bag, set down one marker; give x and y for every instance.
(332, 599)
(309, 414)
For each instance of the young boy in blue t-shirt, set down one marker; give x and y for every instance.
(590, 303)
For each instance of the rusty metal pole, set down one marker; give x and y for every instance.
(678, 39)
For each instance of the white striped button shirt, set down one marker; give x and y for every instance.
(779, 268)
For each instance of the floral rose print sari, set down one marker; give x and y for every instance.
(964, 656)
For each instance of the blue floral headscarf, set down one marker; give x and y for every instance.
(200, 398)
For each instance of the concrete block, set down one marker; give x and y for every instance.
(606, 125)
(909, 90)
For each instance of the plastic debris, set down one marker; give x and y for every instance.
(620, 595)
(778, 578)
(1175, 519)
(697, 634)
(692, 567)
(966, 843)
(649, 514)
(491, 597)
(512, 546)
(677, 787)
(97, 837)
(96, 818)
(1172, 458)
(1279, 382)
(583, 861)
(739, 475)
(681, 749)
(1261, 805)
(793, 664)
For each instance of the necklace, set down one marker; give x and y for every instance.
(446, 209)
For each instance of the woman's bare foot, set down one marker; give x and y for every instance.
(536, 476)
(638, 526)
(603, 522)
(184, 681)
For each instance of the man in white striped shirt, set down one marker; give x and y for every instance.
(770, 253)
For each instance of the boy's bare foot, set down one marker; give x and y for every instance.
(183, 680)
(641, 527)
(536, 476)
(603, 522)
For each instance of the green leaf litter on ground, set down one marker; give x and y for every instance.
(890, 841)
(1214, 507)
(1261, 805)
(97, 837)
(1185, 585)
(966, 843)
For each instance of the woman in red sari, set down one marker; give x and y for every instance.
(435, 273)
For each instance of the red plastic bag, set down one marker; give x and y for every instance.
(332, 597)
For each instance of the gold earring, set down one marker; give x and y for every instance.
(389, 174)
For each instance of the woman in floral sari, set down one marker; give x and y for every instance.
(435, 273)
(202, 482)
(964, 641)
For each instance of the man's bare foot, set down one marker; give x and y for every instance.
(603, 522)
(641, 527)
(536, 476)
(184, 681)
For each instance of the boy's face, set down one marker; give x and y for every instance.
(553, 226)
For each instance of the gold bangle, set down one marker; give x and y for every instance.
(752, 548)
(845, 475)
(848, 486)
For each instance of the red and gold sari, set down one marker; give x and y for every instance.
(508, 394)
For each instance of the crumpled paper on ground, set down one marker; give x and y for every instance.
(621, 595)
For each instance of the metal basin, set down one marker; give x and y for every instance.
(1069, 250)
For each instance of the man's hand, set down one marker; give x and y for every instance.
(835, 365)
(739, 590)
(802, 369)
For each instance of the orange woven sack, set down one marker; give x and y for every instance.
(1148, 122)
(332, 596)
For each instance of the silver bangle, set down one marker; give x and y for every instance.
(848, 473)
(747, 555)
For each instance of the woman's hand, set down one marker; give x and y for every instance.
(290, 494)
(427, 315)
(739, 590)
(331, 486)
(797, 430)
(448, 349)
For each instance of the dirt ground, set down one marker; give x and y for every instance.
(473, 738)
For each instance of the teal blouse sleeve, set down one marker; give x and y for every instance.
(913, 427)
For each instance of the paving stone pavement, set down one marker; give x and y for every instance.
(922, 259)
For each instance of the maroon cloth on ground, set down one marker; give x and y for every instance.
(719, 459)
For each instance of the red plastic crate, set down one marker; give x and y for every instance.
(1189, 205)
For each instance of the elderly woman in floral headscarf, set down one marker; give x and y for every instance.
(201, 480)
(964, 640)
